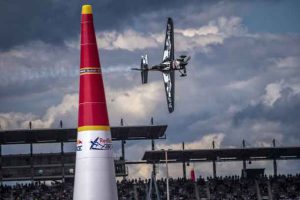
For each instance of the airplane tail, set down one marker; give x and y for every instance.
(144, 69)
(183, 60)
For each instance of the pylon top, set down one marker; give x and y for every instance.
(87, 9)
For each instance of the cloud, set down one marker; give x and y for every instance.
(53, 21)
(66, 111)
(134, 103)
(288, 62)
(144, 171)
(241, 85)
(273, 93)
(37, 63)
(186, 39)
(204, 142)
(277, 104)
(129, 39)
(212, 34)
(223, 26)
(274, 116)
(37, 20)
(13, 120)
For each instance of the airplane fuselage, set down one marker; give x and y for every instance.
(168, 65)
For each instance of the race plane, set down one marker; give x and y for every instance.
(168, 66)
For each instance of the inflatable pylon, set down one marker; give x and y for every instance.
(94, 171)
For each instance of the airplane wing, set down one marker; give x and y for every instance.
(169, 81)
(169, 42)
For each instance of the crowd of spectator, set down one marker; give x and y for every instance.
(36, 191)
(138, 189)
(229, 187)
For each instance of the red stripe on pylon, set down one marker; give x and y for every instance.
(89, 55)
(93, 118)
(91, 83)
(92, 102)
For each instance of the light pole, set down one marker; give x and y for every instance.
(167, 172)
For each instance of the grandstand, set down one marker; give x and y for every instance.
(61, 166)
(58, 168)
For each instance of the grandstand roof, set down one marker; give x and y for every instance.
(237, 154)
(69, 135)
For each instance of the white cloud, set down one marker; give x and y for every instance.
(243, 84)
(204, 31)
(264, 131)
(223, 26)
(272, 93)
(36, 60)
(135, 103)
(120, 68)
(287, 62)
(144, 171)
(129, 40)
(65, 111)
(185, 39)
(231, 26)
(214, 33)
(13, 120)
(204, 142)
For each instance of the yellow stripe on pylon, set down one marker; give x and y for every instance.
(93, 128)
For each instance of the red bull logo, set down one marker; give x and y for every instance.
(101, 144)
(78, 145)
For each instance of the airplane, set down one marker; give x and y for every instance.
(168, 66)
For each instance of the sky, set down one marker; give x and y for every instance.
(242, 83)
